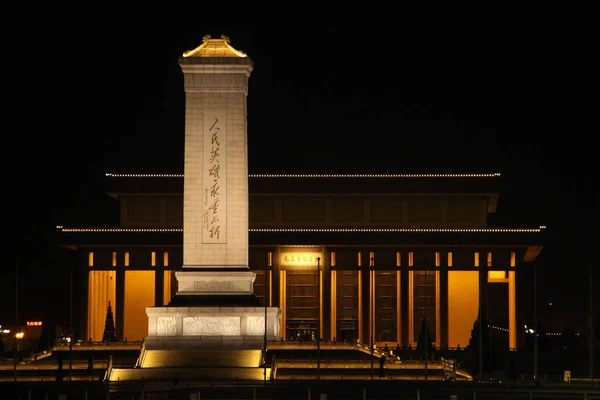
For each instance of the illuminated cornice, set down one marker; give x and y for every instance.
(312, 176)
(62, 229)
(345, 230)
(320, 230)
(375, 175)
(215, 48)
(111, 175)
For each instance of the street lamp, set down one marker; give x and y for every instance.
(318, 317)
(16, 319)
(19, 336)
(265, 337)
(591, 328)
(535, 326)
(371, 313)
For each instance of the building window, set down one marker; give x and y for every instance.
(127, 259)
(302, 299)
(91, 259)
(347, 305)
(153, 259)
(398, 259)
(371, 259)
(449, 258)
(476, 259)
(437, 258)
(166, 258)
(410, 259)
(270, 259)
(512, 259)
(489, 259)
(385, 316)
(332, 256)
(114, 259)
(424, 302)
(359, 259)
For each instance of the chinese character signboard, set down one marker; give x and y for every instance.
(307, 260)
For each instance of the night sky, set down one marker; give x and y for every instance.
(321, 100)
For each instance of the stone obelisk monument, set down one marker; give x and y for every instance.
(215, 308)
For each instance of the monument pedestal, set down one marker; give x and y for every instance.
(223, 342)
(232, 327)
(180, 335)
(224, 337)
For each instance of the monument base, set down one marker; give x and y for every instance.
(214, 321)
(187, 336)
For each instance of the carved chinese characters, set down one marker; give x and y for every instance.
(214, 165)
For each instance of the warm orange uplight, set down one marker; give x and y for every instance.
(34, 323)
(19, 335)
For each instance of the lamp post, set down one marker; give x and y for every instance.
(371, 314)
(480, 352)
(426, 327)
(16, 352)
(19, 336)
(535, 327)
(592, 338)
(318, 317)
(71, 323)
(265, 336)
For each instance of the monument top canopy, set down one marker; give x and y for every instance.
(214, 48)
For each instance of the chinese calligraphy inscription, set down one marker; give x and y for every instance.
(214, 170)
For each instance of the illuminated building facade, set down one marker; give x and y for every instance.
(346, 257)
(391, 250)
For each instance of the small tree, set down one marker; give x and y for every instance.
(425, 339)
(109, 327)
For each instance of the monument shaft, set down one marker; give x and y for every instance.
(215, 225)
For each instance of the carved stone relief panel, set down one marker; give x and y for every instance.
(165, 326)
(211, 326)
(256, 326)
